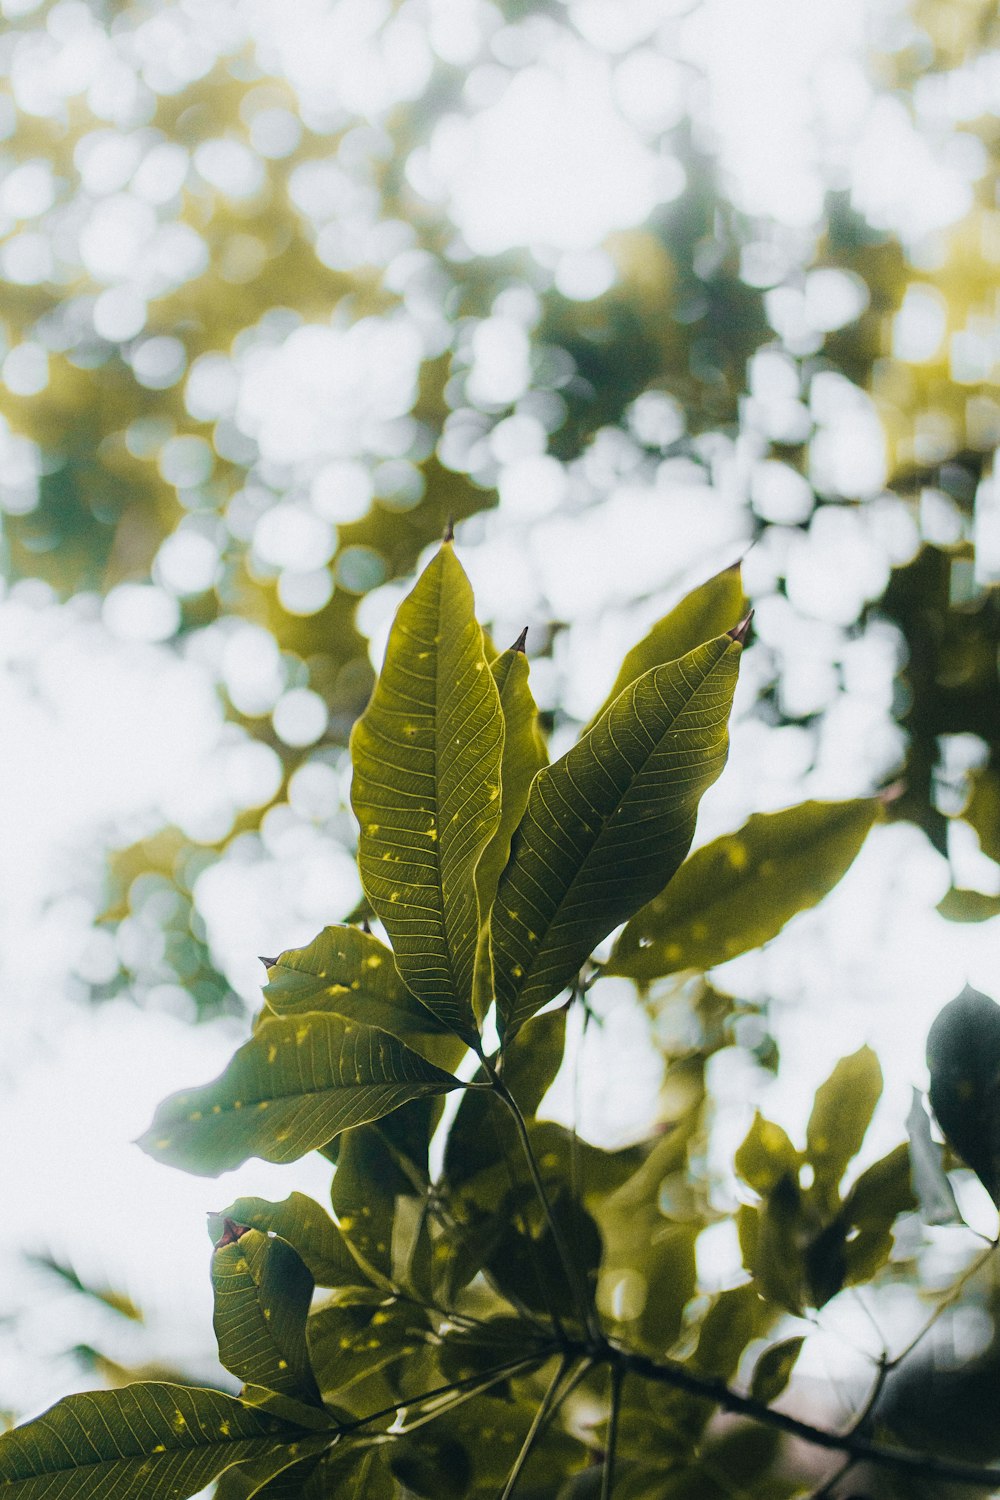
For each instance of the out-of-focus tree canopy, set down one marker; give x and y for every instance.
(288, 287)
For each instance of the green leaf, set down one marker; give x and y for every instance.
(766, 1156)
(353, 1343)
(303, 1223)
(841, 1114)
(671, 1277)
(963, 1055)
(299, 1081)
(739, 891)
(771, 1239)
(348, 972)
(773, 1370)
(426, 791)
(366, 1186)
(607, 825)
(968, 906)
(524, 754)
(931, 1183)
(983, 810)
(708, 611)
(153, 1439)
(262, 1294)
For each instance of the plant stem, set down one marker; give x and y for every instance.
(478, 1384)
(608, 1476)
(545, 1407)
(558, 1239)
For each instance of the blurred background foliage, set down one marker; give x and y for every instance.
(262, 339)
(286, 288)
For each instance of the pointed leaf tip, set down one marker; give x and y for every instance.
(519, 644)
(231, 1232)
(740, 632)
(449, 530)
(268, 963)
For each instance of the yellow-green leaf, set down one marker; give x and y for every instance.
(426, 789)
(766, 1156)
(773, 1370)
(263, 1289)
(608, 824)
(739, 891)
(153, 1439)
(708, 611)
(841, 1114)
(302, 1222)
(296, 1084)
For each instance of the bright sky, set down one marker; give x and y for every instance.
(109, 732)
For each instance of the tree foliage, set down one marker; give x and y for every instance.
(507, 1309)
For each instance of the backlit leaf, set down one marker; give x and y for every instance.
(841, 1114)
(963, 1055)
(959, 905)
(426, 789)
(160, 1441)
(298, 1082)
(773, 1370)
(262, 1294)
(705, 613)
(739, 891)
(302, 1222)
(608, 825)
(766, 1156)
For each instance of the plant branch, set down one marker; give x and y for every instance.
(608, 1476)
(546, 1407)
(473, 1384)
(950, 1297)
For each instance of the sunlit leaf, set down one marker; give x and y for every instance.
(426, 789)
(263, 1290)
(931, 1183)
(160, 1441)
(983, 810)
(608, 824)
(708, 611)
(298, 1082)
(963, 1055)
(670, 1273)
(524, 754)
(873, 1203)
(354, 1343)
(302, 1222)
(841, 1114)
(968, 906)
(739, 891)
(766, 1156)
(772, 1239)
(773, 1370)
(369, 1180)
(350, 973)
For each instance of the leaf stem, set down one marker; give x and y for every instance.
(478, 1384)
(608, 1475)
(538, 1422)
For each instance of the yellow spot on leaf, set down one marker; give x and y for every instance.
(272, 1053)
(194, 1116)
(162, 1145)
(372, 829)
(224, 1429)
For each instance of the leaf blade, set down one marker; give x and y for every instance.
(608, 824)
(737, 893)
(297, 1083)
(263, 1289)
(426, 789)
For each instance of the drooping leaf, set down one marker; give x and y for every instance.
(773, 1370)
(705, 613)
(160, 1441)
(524, 754)
(298, 1082)
(608, 825)
(426, 789)
(115, 1301)
(263, 1289)
(349, 972)
(739, 891)
(841, 1114)
(366, 1186)
(963, 1055)
(303, 1223)
(931, 1183)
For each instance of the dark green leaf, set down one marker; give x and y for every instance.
(968, 906)
(708, 611)
(771, 1239)
(263, 1290)
(983, 810)
(607, 825)
(302, 1222)
(739, 891)
(349, 972)
(773, 1370)
(931, 1183)
(355, 1343)
(671, 1277)
(160, 1441)
(426, 789)
(840, 1117)
(963, 1055)
(734, 1318)
(299, 1081)
(369, 1180)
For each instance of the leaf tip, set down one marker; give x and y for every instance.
(449, 530)
(519, 644)
(740, 632)
(231, 1232)
(268, 963)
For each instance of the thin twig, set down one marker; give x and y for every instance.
(538, 1423)
(481, 1382)
(946, 1301)
(608, 1475)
